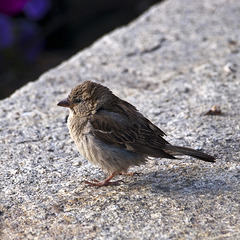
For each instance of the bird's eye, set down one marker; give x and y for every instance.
(78, 100)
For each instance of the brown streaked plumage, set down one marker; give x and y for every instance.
(111, 133)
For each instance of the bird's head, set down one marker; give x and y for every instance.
(87, 98)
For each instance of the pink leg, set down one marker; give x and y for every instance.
(105, 182)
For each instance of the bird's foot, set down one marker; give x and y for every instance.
(129, 173)
(105, 182)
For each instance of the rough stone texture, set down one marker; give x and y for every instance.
(174, 63)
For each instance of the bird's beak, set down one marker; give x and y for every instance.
(65, 103)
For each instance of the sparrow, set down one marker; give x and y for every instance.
(113, 134)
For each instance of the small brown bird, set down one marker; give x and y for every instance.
(111, 133)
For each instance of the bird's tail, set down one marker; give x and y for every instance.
(177, 150)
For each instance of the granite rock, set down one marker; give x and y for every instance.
(173, 63)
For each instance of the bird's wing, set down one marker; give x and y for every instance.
(137, 134)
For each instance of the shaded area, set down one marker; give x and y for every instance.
(39, 37)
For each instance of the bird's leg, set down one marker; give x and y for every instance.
(105, 182)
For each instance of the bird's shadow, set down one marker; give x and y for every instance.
(164, 182)
(167, 184)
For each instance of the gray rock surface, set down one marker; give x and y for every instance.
(173, 63)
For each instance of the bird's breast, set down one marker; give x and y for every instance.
(108, 157)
